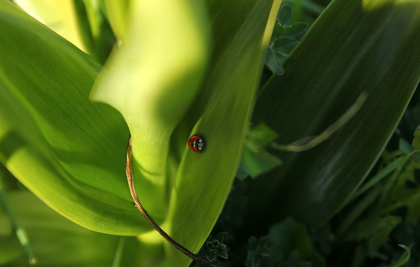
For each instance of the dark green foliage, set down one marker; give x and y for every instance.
(379, 225)
(216, 248)
(416, 145)
(256, 160)
(259, 251)
(285, 37)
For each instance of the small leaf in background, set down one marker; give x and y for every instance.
(256, 160)
(255, 164)
(285, 14)
(285, 38)
(216, 248)
(416, 145)
(295, 29)
(259, 137)
(258, 251)
(274, 60)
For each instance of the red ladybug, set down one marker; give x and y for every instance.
(197, 143)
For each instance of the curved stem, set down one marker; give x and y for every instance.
(129, 173)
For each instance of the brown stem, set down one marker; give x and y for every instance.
(129, 173)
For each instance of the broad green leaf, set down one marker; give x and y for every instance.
(59, 15)
(221, 113)
(320, 83)
(58, 242)
(152, 78)
(67, 150)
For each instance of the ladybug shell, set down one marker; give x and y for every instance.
(197, 143)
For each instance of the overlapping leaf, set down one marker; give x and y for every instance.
(221, 113)
(57, 15)
(354, 47)
(152, 78)
(56, 241)
(67, 150)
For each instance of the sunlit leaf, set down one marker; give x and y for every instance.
(221, 113)
(152, 79)
(67, 150)
(59, 15)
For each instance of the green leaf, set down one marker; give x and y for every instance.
(67, 150)
(55, 240)
(285, 14)
(60, 16)
(291, 237)
(381, 233)
(285, 45)
(255, 164)
(94, 28)
(274, 61)
(117, 11)
(295, 29)
(221, 113)
(391, 167)
(259, 137)
(416, 145)
(58, 242)
(152, 85)
(320, 83)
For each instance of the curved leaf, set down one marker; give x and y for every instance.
(67, 150)
(57, 15)
(355, 46)
(152, 79)
(221, 113)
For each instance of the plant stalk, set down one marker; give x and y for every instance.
(129, 173)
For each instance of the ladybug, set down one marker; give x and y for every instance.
(197, 143)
